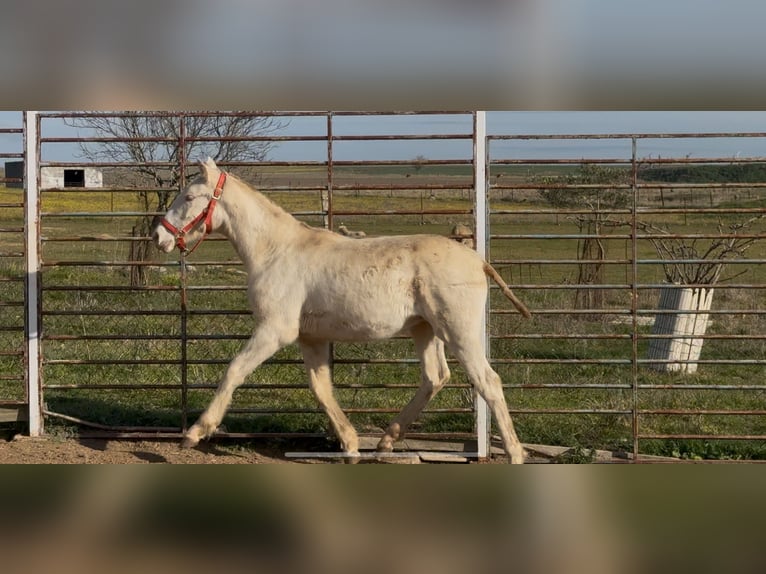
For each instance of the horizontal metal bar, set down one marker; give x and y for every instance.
(561, 261)
(641, 210)
(560, 336)
(347, 113)
(700, 260)
(529, 361)
(498, 184)
(348, 410)
(403, 137)
(71, 263)
(109, 288)
(741, 362)
(127, 288)
(94, 214)
(566, 287)
(628, 136)
(110, 362)
(253, 386)
(700, 210)
(558, 236)
(624, 312)
(221, 361)
(563, 161)
(11, 353)
(669, 412)
(615, 412)
(559, 212)
(127, 429)
(105, 338)
(659, 436)
(700, 387)
(412, 186)
(627, 361)
(403, 212)
(567, 386)
(705, 337)
(109, 313)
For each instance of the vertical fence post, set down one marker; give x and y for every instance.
(481, 239)
(32, 286)
(634, 304)
(183, 277)
(327, 221)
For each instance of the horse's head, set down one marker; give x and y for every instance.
(192, 215)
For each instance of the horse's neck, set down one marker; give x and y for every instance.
(256, 225)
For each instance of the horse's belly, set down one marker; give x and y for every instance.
(348, 325)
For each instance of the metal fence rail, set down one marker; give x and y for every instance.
(133, 345)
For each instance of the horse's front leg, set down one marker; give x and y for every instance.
(266, 341)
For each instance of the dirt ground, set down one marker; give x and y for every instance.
(20, 449)
(55, 450)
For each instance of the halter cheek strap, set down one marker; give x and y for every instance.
(206, 216)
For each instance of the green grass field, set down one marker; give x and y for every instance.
(99, 333)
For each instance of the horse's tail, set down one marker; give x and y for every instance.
(490, 271)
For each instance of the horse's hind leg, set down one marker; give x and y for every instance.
(260, 347)
(488, 384)
(316, 357)
(434, 375)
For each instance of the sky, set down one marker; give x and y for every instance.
(498, 123)
(392, 54)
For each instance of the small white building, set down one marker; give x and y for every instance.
(70, 177)
(56, 177)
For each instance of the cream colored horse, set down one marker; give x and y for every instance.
(312, 286)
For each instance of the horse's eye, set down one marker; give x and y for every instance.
(188, 198)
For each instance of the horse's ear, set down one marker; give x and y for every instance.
(208, 169)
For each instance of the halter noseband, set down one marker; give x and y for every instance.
(206, 216)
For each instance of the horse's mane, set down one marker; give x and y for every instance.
(267, 203)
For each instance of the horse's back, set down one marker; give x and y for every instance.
(378, 288)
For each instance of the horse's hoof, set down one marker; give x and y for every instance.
(385, 445)
(352, 457)
(189, 442)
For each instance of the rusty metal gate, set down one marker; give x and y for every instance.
(596, 242)
(604, 242)
(13, 396)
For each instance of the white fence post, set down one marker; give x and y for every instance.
(480, 239)
(32, 238)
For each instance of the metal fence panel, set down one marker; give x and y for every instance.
(594, 245)
(12, 275)
(589, 236)
(137, 346)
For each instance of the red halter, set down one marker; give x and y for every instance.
(206, 216)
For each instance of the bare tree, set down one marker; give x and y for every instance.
(592, 191)
(687, 262)
(152, 144)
